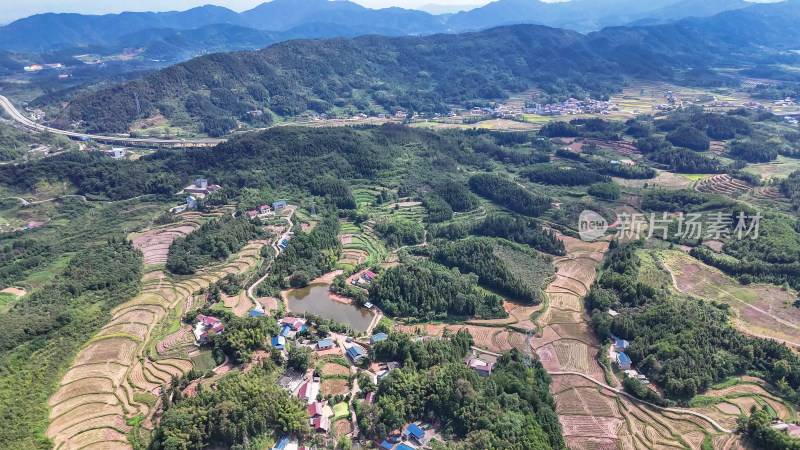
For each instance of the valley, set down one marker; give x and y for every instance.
(504, 235)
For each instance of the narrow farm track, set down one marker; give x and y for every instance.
(96, 395)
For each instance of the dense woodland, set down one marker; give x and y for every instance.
(507, 193)
(215, 240)
(508, 270)
(512, 407)
(667, 331)
(424, 290)
(240, 406)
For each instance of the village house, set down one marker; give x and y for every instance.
(356, 353)
(368, 276)
(279, 342)
(623, 361)
(206, 327)
(377, 338)
(619, 344)
(280, 205)
(320, 424)
(480, 366)
(251, 214)
(264, 209)
(413, 431)
(325, 344)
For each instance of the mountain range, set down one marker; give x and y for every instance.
(279, 20)
(380, 73)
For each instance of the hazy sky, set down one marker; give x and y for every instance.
(11, 10)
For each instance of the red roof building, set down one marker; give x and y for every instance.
(370, 398)
(315, 409)
(305, 389)
(321, 423)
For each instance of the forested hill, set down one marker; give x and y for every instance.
(429, 73)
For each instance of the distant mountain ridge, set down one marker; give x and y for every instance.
(48, 32)
(432, 72)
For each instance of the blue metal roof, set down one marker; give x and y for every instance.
(414, 430)
(623, 357)
(355, 351)
(325, 343)
(403, 447)
(387, 445)
(282, 443)
(379, 337)
(278, 342)
(256, 313)
(285, 330)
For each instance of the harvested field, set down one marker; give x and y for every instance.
(179, 338)
(762, 309)
(500, 341)
(72, 403)
(81, 387)
(565, 301)
(579, 269)
(334, 386)
(182, 365)
(780, 408)
(111, 439)
(548, 335)
(591, 443)
(113, 371)
(562, 316)
(587, 426)
(119, 350)
(144, 315)
(578, 331)
(335, 369)
(547, 356)
(694, 438)
(563, 382)
(517, 340)
(140, 382)
(726, 420)
(728, 408)
(745, 388)
(667, 180)
(572, 355)
(722, 184)
(746, 404)
(81, 413)
(135, 329)
(565, 284)
(585, 401)
(342, 427)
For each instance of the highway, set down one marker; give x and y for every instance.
(111, 140)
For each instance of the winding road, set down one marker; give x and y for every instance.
(113, 140)
(277, 248)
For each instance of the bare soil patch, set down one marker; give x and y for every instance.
(334, 386)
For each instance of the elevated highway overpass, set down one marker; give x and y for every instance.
(21, 119)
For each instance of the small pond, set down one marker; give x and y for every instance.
(314, 300)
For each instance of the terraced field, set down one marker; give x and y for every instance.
(359, 245)
(138, 351)
(762, 309)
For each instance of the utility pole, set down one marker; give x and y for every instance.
(138, 107)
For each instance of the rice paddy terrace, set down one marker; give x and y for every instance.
(593, 414)
(117, 376)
